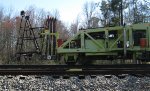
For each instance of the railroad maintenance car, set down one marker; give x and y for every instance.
(128, 44)
(120, 44)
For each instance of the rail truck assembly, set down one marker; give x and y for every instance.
(128, 44)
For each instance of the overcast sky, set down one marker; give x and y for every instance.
(68, 9)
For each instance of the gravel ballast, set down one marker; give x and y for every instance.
(99, 83)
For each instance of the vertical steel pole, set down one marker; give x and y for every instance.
(125, 41)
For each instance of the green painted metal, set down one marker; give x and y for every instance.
(137, 27)
(95, 41)
(90, 44)
(104, 41)
(115, 41)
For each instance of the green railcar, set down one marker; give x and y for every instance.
(110, 43)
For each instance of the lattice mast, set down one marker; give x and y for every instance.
(27, 44)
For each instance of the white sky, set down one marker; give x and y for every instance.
(68, 9)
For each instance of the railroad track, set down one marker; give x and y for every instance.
(74, 69)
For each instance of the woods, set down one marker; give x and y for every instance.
(9, 30)
(116, 12)
(94, 14)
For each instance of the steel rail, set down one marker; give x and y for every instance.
(74, 69)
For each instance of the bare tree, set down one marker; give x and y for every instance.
(31, 11)
(56, 14)
(6, 38)
(74, 26)
(94, 22)
(62, 30)
(88, 10)
(41, 15)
